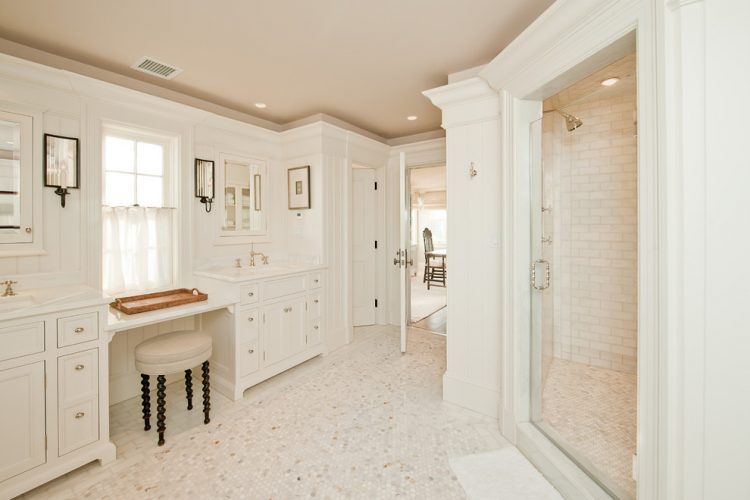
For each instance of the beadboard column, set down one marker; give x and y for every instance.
(471, 118)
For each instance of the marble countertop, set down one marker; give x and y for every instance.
(47, 300)
(118, 321)
(243, 274)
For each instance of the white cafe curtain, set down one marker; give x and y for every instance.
(137, 248)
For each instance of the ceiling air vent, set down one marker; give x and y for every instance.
(156, 68)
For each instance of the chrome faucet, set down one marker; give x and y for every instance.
(9, 292)
(253, 254)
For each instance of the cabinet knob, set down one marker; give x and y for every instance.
(250, 294)
(28, 230)
(316, 327)
(316, 301)
(79, 329)
(316, 281)
(80, 414)
(79, 367)
(251, 319)
(251, 351)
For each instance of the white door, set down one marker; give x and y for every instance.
(22, 425)
(404, 259)
(363, 246)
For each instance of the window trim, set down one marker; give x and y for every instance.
(171, 184)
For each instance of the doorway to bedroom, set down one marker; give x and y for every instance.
(429, 276)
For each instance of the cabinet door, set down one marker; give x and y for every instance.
(294, 326)
(273, 327)
(283, 329)
(22, 421)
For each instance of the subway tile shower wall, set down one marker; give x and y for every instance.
(590, 180)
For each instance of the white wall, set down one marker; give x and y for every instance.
(727, 291)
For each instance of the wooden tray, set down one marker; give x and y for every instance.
(159, 300)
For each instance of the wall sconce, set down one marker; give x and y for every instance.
(61, 164)
(204, 182)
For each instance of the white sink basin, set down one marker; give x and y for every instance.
(17, 302)
(245, 273)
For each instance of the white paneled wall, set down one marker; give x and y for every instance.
(473, 132)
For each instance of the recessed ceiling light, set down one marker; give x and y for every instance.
(260, 105)
(411, 118)
(610, 81)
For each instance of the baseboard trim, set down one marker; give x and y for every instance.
(468, 395)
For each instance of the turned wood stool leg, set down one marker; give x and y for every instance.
(160, 409)
(206, 394)
(189, 388)
(146, 398)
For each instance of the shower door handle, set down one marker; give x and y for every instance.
(532, 277)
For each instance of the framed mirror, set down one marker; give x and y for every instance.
(16, 190)
(244, 181)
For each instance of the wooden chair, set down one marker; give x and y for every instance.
(433, 273)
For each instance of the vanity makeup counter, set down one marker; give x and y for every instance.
(54, 383)
(277, 322)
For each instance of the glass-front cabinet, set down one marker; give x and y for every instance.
(16, 171)
(244, 181)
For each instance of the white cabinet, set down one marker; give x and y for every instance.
(53, 372)
(278, 324)
(22, 422)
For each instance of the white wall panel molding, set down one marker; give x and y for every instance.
(465, 102)
(542, 51)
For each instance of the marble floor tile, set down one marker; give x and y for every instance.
(362, 422)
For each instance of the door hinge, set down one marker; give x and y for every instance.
(376, 244)
(45, 442)
(376, 185)
(376, 302)
(45, 381)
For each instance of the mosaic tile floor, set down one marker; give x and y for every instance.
(593, 410)
(362, 422)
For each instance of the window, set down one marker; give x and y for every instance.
(137, 216)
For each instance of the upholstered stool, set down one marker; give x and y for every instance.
(172, 353)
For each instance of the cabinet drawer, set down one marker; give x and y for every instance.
(286, 286)
(248, 358)
(79, 425)
(78, 376)
(314, 306)
(248, 326)
(314, 333)
(316, 280)
(21, 340)
(249, 294)
(77, 329)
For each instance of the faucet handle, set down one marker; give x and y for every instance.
(10, 283)
(265, 259)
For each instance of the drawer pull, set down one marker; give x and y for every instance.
(251, 351)
(79, 367)
(79, 329)
(80, 414)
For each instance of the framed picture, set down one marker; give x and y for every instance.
(61, 162)
(299, 187)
